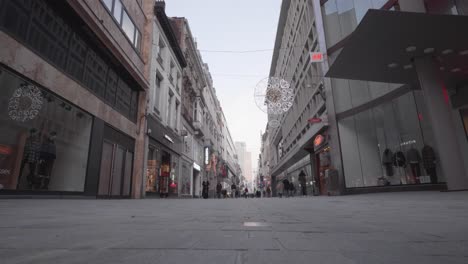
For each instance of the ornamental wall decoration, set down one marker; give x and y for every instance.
(25, 103)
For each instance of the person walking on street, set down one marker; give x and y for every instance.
(219, 187)
(233, 190)
(268, 191)
(286, 187)
(302, 181)
(246, 192)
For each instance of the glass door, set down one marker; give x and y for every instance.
(116, 171)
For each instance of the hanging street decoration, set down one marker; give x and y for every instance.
(274, 95)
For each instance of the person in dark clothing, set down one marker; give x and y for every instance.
(246, 192)
(286, 187)
(387, 161)
(429, 162)
(233, 190)
(302, 181)
(219, 187)
(268, 191)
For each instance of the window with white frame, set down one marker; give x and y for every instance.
(176, 119)
(120, 14)
(169, 108)
(157, 93)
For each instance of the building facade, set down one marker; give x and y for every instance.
(193, 84)
(208, 152)
(291, 147)
(165, 147)
(352, 135)
(75, 82)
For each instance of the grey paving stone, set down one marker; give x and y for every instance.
(415, 227)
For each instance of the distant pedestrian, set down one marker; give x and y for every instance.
(292, 189)
(205, 185)
(268, 191)
(233, 190)
(219, 187)
(302, 181)
(246, 192)
(286, 187)
(237, 193)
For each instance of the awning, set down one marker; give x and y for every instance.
(383, 45)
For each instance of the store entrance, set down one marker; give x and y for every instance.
(322, 161)
(116, 171)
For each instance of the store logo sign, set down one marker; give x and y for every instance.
(319, 139)
(196, 166)
(168, 138)
(316, 56)
(207, 156)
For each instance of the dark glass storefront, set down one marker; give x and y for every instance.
(44, 140)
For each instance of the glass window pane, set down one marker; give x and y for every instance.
(128, 27)
(108, 4)
(118, 10)
(137, 40)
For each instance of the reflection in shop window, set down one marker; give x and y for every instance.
(44, 140)
(464, 114)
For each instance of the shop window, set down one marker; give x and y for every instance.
(44, 140)
(389, 145)
(124, 21)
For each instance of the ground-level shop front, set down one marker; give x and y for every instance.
(164, 162)
(390, 144)
(50, 146)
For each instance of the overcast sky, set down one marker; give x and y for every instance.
(235, 25)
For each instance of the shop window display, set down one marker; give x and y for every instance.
(44, 140)
(390, 144)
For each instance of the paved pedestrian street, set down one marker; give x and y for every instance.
(417, 227)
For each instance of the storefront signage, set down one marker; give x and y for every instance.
(196, 166)
(5, 150)
(168, 138)
(315, 120)
(207, 156)
(319, 139)
(316, 56)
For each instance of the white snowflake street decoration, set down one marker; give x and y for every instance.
(274, 95)
(25, 103)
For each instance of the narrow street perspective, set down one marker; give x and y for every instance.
(248, 131)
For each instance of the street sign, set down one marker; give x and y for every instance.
(315, 120)
(316, 57)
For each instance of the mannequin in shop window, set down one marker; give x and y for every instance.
(387, 161)
(46, 161)
(429, 162)
(399, 161)
(414, 159)
(30, 157)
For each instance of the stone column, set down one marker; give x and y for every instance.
(440, 115)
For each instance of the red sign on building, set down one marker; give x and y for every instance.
(316, 56)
